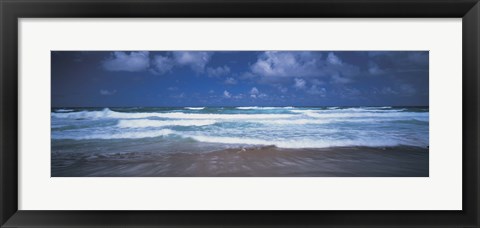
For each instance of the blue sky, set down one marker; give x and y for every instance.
(239, 78)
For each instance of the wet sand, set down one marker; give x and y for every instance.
(266, 161)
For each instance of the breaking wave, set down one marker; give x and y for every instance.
(118, 135)
(144, 123)
(107, 113)
(285, 127)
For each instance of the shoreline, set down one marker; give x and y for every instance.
(250, 161)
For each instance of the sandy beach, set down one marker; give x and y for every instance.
(253, 161)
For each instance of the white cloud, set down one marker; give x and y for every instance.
(255, 93)
(299, 83)
(105, 92)
(285, 64)
(333, 59)
(275, 67)
(133, 62)
(197, 60)
(226, 94)
(230, 81)
(254, 90)
(218, 72)
(162, 64)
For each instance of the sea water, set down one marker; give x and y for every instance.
(220, 127)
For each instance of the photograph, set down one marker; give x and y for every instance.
(239, 113)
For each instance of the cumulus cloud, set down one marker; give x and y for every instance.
(299, 83)
(218, 72)
(226, 94)
(131, 62)
(274, 67)
(197, 60)
(333, 59)
(255, 93)
(105, 92)
(230, 81)
(162, 64)
(285, 64)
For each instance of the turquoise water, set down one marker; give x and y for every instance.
(224, 127)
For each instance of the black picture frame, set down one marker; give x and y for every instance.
(12, 10)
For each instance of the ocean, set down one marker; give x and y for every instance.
(152, 141)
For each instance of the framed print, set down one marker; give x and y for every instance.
(225, 113)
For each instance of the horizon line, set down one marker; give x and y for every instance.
(223, 106)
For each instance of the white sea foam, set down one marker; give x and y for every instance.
(253, 107)
(262, 108)
(353, 114)
(64, 110)
(107, 113)
(121, 135)
(298, 128)
(195, 108)
(299, 143)
(292, 121)
(306, 116)
(144, 123)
